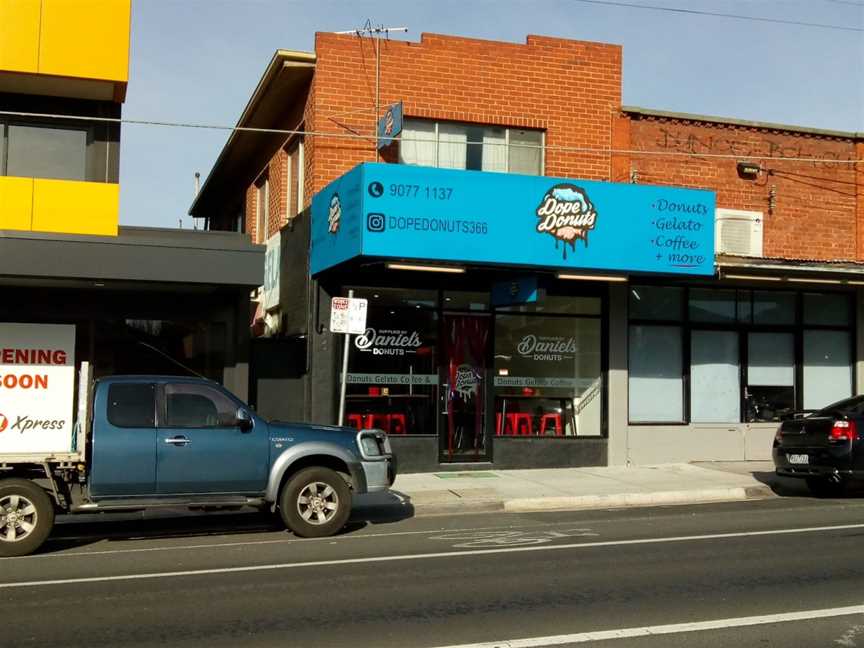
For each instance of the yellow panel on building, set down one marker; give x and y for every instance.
(19, 35)
(85, 39)
(16, 203)
(72, 207)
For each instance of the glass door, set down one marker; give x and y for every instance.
(464, 375)
(770, 390)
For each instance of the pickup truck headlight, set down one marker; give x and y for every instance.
(369, 446)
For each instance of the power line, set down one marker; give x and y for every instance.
(371, 139)
(715, 14)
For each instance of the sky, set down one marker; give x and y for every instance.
(198, 61)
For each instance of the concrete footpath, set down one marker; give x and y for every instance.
(567, 489)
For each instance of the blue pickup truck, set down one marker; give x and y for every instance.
(164, 441)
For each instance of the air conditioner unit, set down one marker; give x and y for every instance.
(739, 232)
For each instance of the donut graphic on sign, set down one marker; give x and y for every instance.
(4, 422)
(567, 214)
(334, 215)
(388, 122)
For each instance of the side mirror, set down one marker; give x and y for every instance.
(244, 420)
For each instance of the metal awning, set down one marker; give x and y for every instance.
(137, 254)
(735, 267)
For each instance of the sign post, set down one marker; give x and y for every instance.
(348, 316)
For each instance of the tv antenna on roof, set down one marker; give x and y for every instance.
(376, 32)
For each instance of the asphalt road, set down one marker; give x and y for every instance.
(782, 572)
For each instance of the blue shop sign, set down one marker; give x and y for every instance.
(397, 211)
(390, 125)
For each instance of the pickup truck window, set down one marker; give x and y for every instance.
(132, 405)
(199, 406)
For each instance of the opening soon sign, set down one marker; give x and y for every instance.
(37, 385)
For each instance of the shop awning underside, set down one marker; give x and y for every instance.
(779, 269)
(137, 254)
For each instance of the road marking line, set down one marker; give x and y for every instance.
(216, 545)
(423, 556)
(675, 628)
(69, 554)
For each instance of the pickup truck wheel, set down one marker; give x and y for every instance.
(315, 503)
(26, 517)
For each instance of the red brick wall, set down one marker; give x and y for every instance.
(859, 191)
(571, 89)
(814, 212)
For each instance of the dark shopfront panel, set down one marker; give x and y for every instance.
(144, 330)
(458, 383)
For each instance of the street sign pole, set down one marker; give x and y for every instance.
(344, 371)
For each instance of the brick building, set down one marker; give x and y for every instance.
(614, 354)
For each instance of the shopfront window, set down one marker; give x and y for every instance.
(393, 367)
(714, 377)
(755, 355)
(770, 393)
(827, 370)
(548, 375)
(656, 377)
(160, 347)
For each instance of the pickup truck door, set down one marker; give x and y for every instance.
(123, 462)
(200, 448)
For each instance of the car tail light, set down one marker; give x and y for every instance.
(778, 435)
(843, 431)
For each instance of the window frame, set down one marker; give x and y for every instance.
(742, 328)
(72, 125)
(108, 409)
(262, 207)
(162, 407)
(294, 178)
(468, 125)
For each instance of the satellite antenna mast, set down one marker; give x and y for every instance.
(376, 32)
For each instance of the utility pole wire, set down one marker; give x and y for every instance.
(698, 12)
(372, 138)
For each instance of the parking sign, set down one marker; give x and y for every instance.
(348, 315)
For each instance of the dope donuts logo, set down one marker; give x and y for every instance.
(335, 214)
(567, 214)
(467, 380)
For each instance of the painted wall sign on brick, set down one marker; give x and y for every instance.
(418, 213)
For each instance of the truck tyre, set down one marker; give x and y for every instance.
(26, 517)
(315, 503)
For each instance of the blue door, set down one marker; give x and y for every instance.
(124, 440)
(201, 449)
